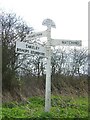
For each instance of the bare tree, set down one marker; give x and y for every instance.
(13, 28)
(79, 60)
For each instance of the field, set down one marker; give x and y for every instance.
(62, 107)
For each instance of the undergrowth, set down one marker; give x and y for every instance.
(62, 108)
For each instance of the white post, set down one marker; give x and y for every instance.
(50, 24)
(48, 73)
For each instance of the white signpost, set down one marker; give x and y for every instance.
(51, 42)
(36, 35)
(56, 42)
(30, 48)
(26, 48)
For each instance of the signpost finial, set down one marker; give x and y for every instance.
(49, 23)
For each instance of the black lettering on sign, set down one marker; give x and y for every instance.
(28, 46)
(36, 35)
(70, 42)
(39, 34)
(22, 50)
(38, 53)
(32, 36)
(64, 42)
(32, 47)
(73, 42)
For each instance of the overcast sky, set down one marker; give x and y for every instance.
(70, 16)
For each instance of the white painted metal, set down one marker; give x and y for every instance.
(30, 48)
(49, 23)
(51, 42)
(36, 48)
(48, 73)
(63, 42)
(36, 35)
